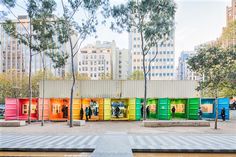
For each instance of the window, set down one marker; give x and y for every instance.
(138, 46)
(171, 74)
(164, 74)
(168, 52)
(156, 67)
(172, 52)
(168, 74)
(172, 67)
(160, 52)
(164, 60)
(164, 67)
(134, 46)
(153, 67)
(134, 38)
(168, 59)
(134, 67)
(160, 74)
(153, 74)
(160, 67)
(156, 60)
(164, 52)
(168, 67)
(160, 60)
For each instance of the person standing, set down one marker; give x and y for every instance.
(81, 113)
(223, 114)
(200, 113)
(87, 113)
(90, 112)
(173, 111)
(148, 111)
(142, 111)
(117, 111)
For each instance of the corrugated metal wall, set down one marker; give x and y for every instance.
(120, 89)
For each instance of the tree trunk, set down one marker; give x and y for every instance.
(216, 108)
(73, 84)
(42, 122)
(30, 81)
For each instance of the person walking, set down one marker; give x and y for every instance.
(173, 111)
(87, 113)
(200, 113)
(223, 114)
(81, 113)
(90, 112)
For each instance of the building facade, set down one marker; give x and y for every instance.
(14, 56)
(162, 68)
(103, 60)
(231, 12)
(183, 72)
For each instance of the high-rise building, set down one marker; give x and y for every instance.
(103, 61)
(162, 68)
(183, 72)
(15, 56)
(231, 12)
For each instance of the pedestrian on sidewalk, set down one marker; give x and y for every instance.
(81, 113)
(148, 111)
(87, 113)
(200, 113)
(223, 114)
(173, 112)
(90, 112)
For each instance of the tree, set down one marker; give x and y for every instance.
(38, 37)
(137, 75)
(84, 26)
(215, 64)
(154, 22)
(228, 37)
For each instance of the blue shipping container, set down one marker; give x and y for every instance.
(223, 103)
(208, 108)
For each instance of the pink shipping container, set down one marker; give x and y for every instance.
(17, 109)
(11, 109)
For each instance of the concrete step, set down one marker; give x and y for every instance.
(176, 123)
(12, 123)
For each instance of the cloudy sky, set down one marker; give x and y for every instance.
(197, 21)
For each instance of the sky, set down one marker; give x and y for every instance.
(197, 21)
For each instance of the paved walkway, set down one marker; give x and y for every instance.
(115, 143)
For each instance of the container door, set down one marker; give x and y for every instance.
(223, 103)
(101, 109)
(208, 108)
(152, 103)
(192, 109)
(131, 109)
(138, 109)
(107, 109)
(46, 109)
(11, 109)
(164, 109)
(76, 109)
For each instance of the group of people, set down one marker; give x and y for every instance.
(222, 113)
(88, 113)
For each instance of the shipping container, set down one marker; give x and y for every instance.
(180, 106)
(120, 89)
(120, 109)
(11, 109)
(138, 111)
(223, 103)
(208, 108)
(59, 109)
(192, 108)
(96, 105)
(164, 109)
(46, 109)
(152, 107)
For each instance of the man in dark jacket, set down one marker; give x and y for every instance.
(173, 112)
(81, 113)
(223, 114)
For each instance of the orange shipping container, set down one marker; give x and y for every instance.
(59, 109)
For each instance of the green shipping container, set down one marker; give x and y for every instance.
(138, 109)
(131, 108)
(192, 109)
(107, 109)
(164, 112)
(152, 103)
(180, 107)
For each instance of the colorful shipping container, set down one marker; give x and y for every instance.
(58, 109)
